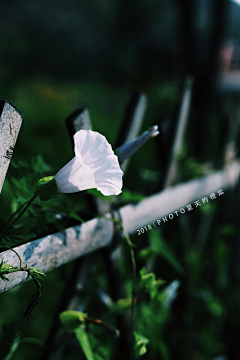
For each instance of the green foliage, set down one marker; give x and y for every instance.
(72, 319)
(84, 342)
(159, 247)
(11, 236)
(149, 283)
(121, 305)
(199, 319)
(36, 164)
(98, 194)
(140, 346)
(36, 273)
(22, 188)
(130, 196)
(5, 269)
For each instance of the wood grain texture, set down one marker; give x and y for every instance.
(10, 123)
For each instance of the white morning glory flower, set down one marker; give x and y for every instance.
(94, 166)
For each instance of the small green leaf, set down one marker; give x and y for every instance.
(5, 267)
(149, 282)
(37, 273)
(140, 347)
(72, 319)
(39, 165)
(121, 305)
(22, 189)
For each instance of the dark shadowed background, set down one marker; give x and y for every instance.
(57, 56)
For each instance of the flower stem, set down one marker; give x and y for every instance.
(23, 211)
(134, 268)
(14, 214)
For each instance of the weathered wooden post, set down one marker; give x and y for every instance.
(10, 123)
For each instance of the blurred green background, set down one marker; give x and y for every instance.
(57, 56)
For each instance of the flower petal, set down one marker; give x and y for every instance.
(109, 177)
(94, 166)
(75, 176)
(91, 146)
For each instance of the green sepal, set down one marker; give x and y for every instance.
(46, 188)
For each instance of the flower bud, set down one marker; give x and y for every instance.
(126, 150)
(46, 188)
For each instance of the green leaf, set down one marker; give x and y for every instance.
(159, 247)
(11, 236)
(22, 189)
(36, 165)
(20, 164)
(57, 204)
(5, 267)
(72, 319)
(39, 165)
(76, 217)
(98, 194)
(149, 282)
(140, 347)
(84, 342)
(121, 305)
(130, 196)
(37, 273)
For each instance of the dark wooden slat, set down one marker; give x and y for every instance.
(177, 140)
(132, 122)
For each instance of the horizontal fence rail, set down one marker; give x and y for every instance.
(57, 249)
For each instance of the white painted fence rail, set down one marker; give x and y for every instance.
(54, 250)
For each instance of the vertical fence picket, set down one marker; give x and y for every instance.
(170, 172)
(10, 123)
(132, 121)
(75, 289)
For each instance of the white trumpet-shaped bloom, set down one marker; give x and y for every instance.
(94, 166)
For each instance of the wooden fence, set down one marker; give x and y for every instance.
(57, 249)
